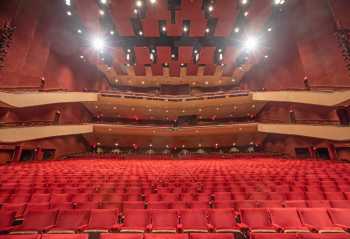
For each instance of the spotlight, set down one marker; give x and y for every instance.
(185, 29)
(163, 28)
(207, 30)
(269, 29)
(236, 29)
(98, 43)
(279, 2)
(68, 3)
(210, 8)
(69, 13)
(103, 1)
(244, 2)
(111, 32)
(251, 43)
(140, 33)
(139, 3)
(101, 12)
(79, 31)
(153, 1)
(246, 13)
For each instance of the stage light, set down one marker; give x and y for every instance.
(251, 43)
(111, 32)
(140, 33)
(103, 1)
(69, 13)
(207, 30)
(244, 2)
(153, 1)
(163, 28)
(210, 8)
(68, 3)
(98, 43)
(185, 28)
(279, 2)
(236, 29)
(101, 12)
(269, 29)
(139, 3)
(79, 31)
(246, 13)
(81, 57)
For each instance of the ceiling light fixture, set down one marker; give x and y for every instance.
(251, 43)
(185, 29)
(79, 31)
(98, 43)
(139, 3)
(246, 13)
(236, 29)
(69, 13)
(244, 2)
(210, 8)
(153, 1)
(163, 28)
(101, 12)
(103, 1)
(111, 32)
(68, 3)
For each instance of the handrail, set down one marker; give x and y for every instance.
(171, 124)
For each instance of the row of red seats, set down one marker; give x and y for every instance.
(180, 236)
(287, 220)
(21, 208)
(142, 190)
(114, 197)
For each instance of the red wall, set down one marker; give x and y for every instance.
(44, 46)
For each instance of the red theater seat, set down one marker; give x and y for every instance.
(317, 219)
(269, 204)
(65, 236)
(37, 221)
(334, 196)
(256, 220)
(211, 236)
(6, 221)
(17, 208)
(245, 204)
(121, 236)
(194, 220)
(164, 220)
(340, 203)
(40, 198)
(340, 217)
(166, 236)
(70, 221)
(102, 220)
(323, 236)
(222, 196)
(158, 205)
(224, 204)
(133, 205)
(318, 203)
(33, 236)
(223, 220)
(296, 203)
(112, 205)
(287, 219)
(135, 221)
(273, 236)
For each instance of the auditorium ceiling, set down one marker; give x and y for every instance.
(148, 43)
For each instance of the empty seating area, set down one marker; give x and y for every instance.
(230, 198)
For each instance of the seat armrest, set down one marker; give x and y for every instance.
(210, 227)
(149, 228)
(82, 227)
(277, 227)
(342, 226)
(117, 227)
(48, 228)
(243, 226)
(310, 227)
(180, 227)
